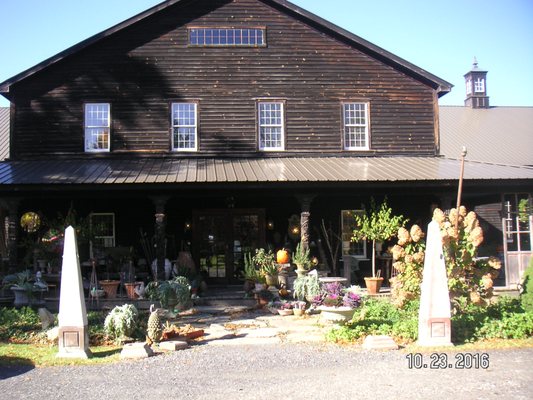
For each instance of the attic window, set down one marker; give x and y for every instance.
(227, 37)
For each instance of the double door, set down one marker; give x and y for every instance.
(222, 237)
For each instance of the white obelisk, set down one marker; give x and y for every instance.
(73, 330)
(434, 324)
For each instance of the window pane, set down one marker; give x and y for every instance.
(226, 37)
(184, 126)
(271, 126)
(355, 126)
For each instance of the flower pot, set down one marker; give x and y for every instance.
(271, 280)
(301, 272)
(110, 288)
(285, 312)
(336, 314)
(248, 286)
(23, 298)
(373, 284)
(130, 289)
(298, 312)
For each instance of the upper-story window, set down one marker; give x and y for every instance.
(227, 37)
(355, 124)
(271, 126)
(469, 86)
(184, 127)
(479, 85)
(97, 124)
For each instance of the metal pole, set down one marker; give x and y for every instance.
(460, 190)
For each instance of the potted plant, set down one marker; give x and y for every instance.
(336, 303)
(302, 259)
(306, 287)
(298, 308)
(174, 293)
(24, 287)
(250, 274)
(377, 225)
(266, 262)
(285, 308)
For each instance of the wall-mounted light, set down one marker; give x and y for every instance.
(187, 226)
(270, 225)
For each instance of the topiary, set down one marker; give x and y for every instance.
(526, 297)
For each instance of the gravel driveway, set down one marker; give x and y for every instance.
(281, 371)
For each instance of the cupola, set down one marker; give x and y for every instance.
(476, 87)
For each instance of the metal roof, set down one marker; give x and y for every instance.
(4, 133)
(383, 55)
(166, 171)
(501, 135)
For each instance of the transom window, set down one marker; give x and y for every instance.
(97, 123)
(271, 127)
(355, 121)
(184, 127)
(479, 85)
(226, 37)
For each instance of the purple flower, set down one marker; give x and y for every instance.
(351, 299)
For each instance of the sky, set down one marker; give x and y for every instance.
(440, 36)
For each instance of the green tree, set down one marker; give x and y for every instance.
(377, 225)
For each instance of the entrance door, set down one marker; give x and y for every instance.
(222, 237)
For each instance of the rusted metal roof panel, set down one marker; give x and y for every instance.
(254, 170)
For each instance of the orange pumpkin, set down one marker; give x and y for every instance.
(282, 256)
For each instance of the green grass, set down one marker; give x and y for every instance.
(45, 355)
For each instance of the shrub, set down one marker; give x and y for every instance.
(526, 297)
(121, 322)
(18, 325)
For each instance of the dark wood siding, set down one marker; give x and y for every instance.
(145, 67)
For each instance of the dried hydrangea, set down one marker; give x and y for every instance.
(476, 236)
(416, 233)
(439, 216)
(403, 236)
(494, 262)
(398, 252)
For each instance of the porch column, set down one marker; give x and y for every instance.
(160, 234)
(305, 204)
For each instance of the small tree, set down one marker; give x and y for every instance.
(378, 224)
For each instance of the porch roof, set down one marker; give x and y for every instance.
(166, 171)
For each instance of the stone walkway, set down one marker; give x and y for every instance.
(243, 326)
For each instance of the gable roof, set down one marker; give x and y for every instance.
(500, 135)
(355, 41)
(4, 133)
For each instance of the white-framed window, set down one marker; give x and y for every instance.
(244, 37)
(355, 126)
(271, 125)
(97, 127)
(184, 127)
(349, 248)
(479, 85)
(469, 86)
(102, 233)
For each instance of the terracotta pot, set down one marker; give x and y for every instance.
(130, 289)
(298, 312)
(110, 288)
(373, 285)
